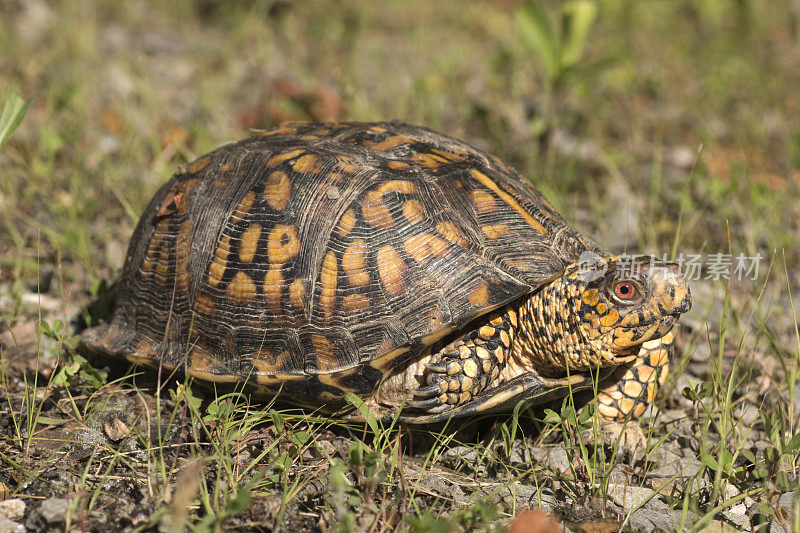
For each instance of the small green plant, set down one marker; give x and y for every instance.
(560, 49)
(13, 112)
(573, 423)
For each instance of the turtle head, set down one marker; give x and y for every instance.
(621, 303)
(598, 313)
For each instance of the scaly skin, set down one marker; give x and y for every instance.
(585, 320)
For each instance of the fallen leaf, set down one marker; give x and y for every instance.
(534, 521)
(116, 429)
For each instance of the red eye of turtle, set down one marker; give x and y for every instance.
(625, 290)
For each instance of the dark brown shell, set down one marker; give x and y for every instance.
(320, 256)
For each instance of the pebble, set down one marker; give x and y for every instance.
(632, 497)
(9, 526)
(51, 515)
(13, 509)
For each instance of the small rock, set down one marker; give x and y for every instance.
(13, 509)
(633, 497)
(54, 510)
(555, 457)
(9, 526)
(626, 438)
(659, 520)
(116, 429)
(737, 513)
(51, 515)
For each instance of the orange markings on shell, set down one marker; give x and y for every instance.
(284, 130)
(307, 163)
(425, 246)
(297, 293)
(397, 165)
(162, 266)
(346, 166)
(199, 165)
(484, 202)
(451, 233)
(249, 244)
(346, 223)
(201, 361)
(355, 302)
(273, 288)
(203, 304)
(241, 288)
(354, 263)
(328, 277)
(447, 155)
(413, 211)
(479, 296)
(264, 365)
(392, 270)
(495, 231)
(326, 357)
(153, 247)
(278, 190)
(375, 211)
(387, 144)
(507, 198)
(277, 159)
(431, 161)
(244, 206)
(283, 244)
(220, 261)
(182, 248)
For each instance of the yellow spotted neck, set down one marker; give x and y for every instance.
(552, 337)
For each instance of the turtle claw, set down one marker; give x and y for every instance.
(428, 404)
(439, 368)
(430, 391)
(441, 408)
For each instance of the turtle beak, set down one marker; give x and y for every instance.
(668, 280)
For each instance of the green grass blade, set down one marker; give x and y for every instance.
(537, 33)
(577, 18)
(13, 112)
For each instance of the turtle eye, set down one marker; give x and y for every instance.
(625, 292)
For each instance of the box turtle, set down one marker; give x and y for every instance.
(389, 261)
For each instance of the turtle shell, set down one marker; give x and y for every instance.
(317, 258)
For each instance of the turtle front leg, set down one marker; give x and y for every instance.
(467, 366)
(633, 387)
